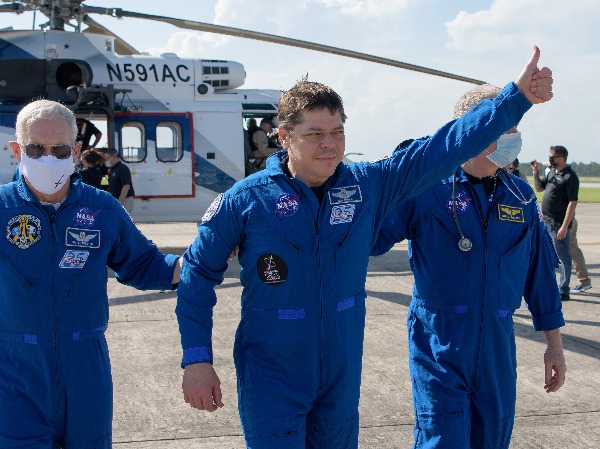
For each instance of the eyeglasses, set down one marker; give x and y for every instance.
(36, 150)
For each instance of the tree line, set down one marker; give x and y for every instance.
(591, 169)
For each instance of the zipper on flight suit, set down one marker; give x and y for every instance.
(317, 254)
(484, 222)
(54, 332)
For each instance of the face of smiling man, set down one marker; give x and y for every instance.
(315, 146)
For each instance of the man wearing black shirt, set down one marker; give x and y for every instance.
(560, 187)
(119, 180)
(85, 131)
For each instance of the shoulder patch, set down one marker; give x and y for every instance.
(213, 208)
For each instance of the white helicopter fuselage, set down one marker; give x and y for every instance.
(177, 123)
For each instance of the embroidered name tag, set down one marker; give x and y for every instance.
(510, 213)
(88, 238)
(348, 194)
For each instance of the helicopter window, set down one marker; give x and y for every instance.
(224, 70)
(215, 70)
(133, 142)
(206, 70)
(169, 146)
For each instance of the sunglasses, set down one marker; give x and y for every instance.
(36, 150)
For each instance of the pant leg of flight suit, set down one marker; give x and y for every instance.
(333, 421)
(493, 400)
(89, 398)
(25, 395)
(440, 360)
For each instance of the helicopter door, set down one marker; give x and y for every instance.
(158, 150)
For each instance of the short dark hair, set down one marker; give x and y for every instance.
(559, 150)
(92, 157)
(112, 152)
(307, 95)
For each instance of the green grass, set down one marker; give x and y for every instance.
(586, 195)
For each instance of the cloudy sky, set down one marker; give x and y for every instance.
(490, 40)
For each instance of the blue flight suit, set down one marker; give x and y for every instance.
(460, 330)
(298, 348)
(55, 379)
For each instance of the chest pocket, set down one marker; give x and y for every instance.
(19, 303)
(79, 249)
(512, 251)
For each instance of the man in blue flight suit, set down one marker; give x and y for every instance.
(305, 227)
(61, 234)
(477, 246)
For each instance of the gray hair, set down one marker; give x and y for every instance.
(474, 97)
(43, 110)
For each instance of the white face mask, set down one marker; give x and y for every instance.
(107, 164)
(47, 174)
(508, 148)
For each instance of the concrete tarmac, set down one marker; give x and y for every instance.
(149, 411)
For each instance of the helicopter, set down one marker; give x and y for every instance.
(178, 123)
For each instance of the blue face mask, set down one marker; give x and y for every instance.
(508, 148)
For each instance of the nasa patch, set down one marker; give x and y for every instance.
(85, 217)
(88, 238)
(348, 194)
(271, 269)
(213, 208)
(74, 259)
(24, 230)
(539, 208)
(343, 213)
(462, 204)
(287, 205)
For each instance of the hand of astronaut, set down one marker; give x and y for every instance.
(535, 83)
(177, 271)
(202, 387)
(554, 361)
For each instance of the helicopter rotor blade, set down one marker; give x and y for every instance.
(121, 47)
(17, 8)
(238, 32)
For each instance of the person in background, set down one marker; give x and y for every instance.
(120, 184)
(61, 235)
(305, 227)
(513, 169)
(260, 139)
(91, 173)
(477, 245)
(581, 271)
(561, 190)
(85, 131)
